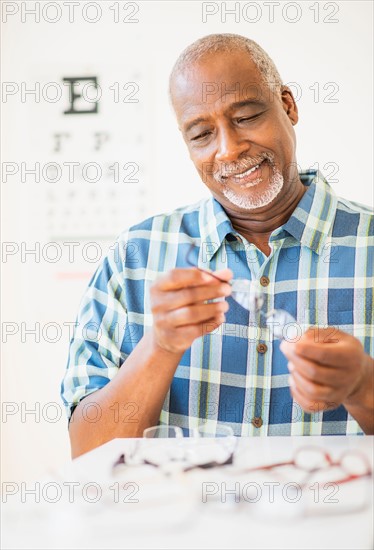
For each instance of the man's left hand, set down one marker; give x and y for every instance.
(327, 367)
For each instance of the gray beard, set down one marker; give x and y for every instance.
(256, 199)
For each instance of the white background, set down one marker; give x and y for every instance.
(310, 52)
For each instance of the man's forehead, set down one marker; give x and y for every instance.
(225, 76)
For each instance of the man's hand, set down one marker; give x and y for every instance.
(179, 310)
(328, 368)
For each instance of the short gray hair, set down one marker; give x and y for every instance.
(227, 42)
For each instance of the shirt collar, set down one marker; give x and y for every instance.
(309, 224)
(214, 226)
(312, 219)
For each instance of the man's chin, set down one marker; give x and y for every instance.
(256, 196)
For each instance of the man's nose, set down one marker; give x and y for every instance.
(230, 145)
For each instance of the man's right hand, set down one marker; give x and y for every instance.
(180, 313)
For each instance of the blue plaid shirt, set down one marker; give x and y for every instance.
(320, 270)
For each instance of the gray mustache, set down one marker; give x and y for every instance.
(241, 166)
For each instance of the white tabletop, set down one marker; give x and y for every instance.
(226, 507)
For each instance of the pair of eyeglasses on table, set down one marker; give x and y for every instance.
(353, 464)
(165, 447)
(217, 448)
(249, 294)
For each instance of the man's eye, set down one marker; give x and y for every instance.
(201, 136)
(246, 118)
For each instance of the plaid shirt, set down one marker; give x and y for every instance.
(320, 270)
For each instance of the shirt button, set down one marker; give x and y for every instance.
(264, 281)
(257, 421)
(261, 348)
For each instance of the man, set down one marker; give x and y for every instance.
(159, 341)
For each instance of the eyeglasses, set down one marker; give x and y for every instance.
(311, 460)
(250, 296)
(318, 492)
(321, 475)
(207, 448)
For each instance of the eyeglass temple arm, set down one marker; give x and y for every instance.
(270, 466)
(188, 260)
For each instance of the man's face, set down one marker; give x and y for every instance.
(239, 134)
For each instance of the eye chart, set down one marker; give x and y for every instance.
(97, 193)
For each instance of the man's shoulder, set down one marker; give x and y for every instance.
(353, 219)
(354, 207)
(175, 214)
(184, 219)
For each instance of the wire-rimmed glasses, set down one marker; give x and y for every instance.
(318, 492)
(162, 432)
(211, 447)
(312, 478)
(310, 483)
(311, 460)
(207, 448)
(250, 296)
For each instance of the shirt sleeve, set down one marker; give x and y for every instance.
(95, 352)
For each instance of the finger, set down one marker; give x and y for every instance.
(312, 390)
(324, 335)
(308, 405)
(182, 277)
(328, 354)
(193, 315)
(188, 333)
(315, 372)
(225, 274)
(168, 301)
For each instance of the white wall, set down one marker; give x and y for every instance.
(42, 291)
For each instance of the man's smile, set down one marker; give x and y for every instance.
(247, 173)
(249, 177)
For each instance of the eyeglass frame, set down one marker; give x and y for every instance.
(330, 464)
(268, 315)
(189, 262)
(210, 464)
(230, 460)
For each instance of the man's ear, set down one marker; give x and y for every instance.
(289, 105)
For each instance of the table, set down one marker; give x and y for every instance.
(141, 507)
